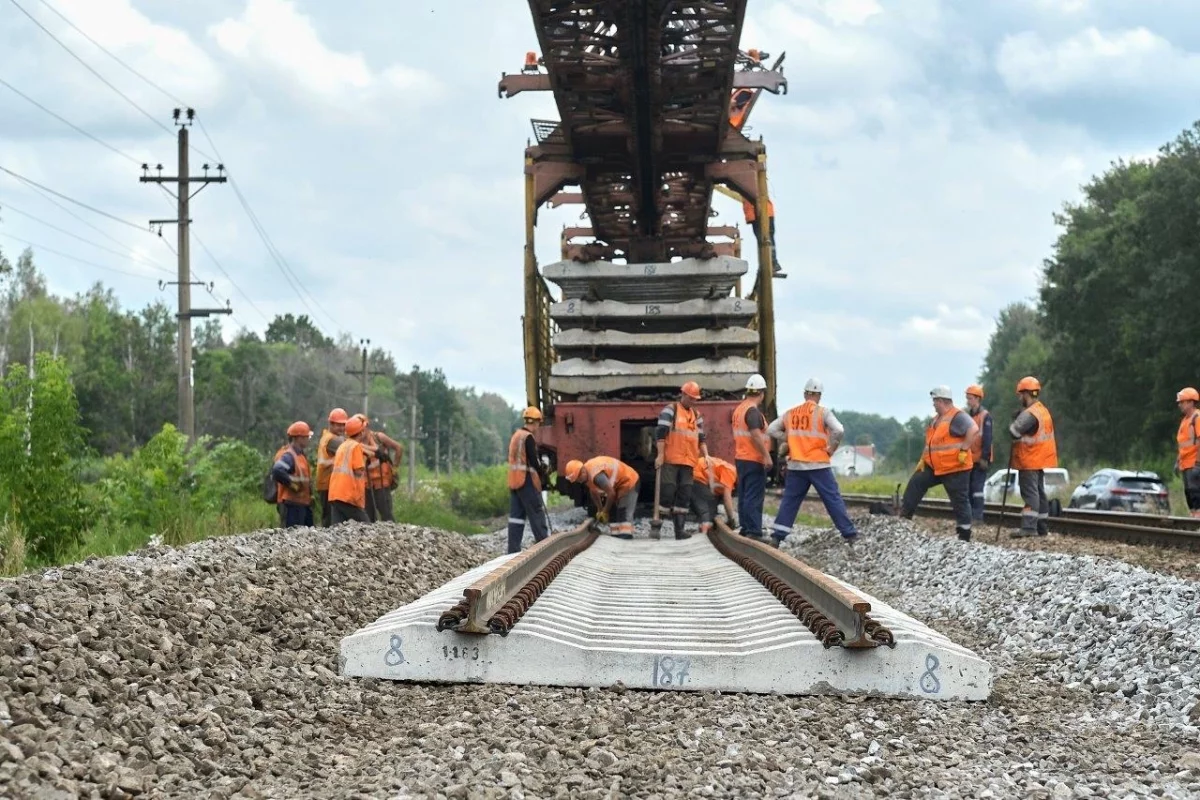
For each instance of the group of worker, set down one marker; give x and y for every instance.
(356, 473)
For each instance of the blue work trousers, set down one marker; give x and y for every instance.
(752, 485)
(978, 477)
(526, 504)
(794, 491)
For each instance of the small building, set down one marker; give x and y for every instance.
(854, 460)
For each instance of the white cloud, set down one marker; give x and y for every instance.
(961, 328)
(1093, 60)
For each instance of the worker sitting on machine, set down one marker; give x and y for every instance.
(704, 500)
(611, 483)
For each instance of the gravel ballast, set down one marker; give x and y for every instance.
(212, 671)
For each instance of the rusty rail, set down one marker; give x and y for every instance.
(837, 616)
(494, 603)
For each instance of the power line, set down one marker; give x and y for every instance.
(71, 257)
(93, 209)
(130, 256)
(232, 282)
(68, 123)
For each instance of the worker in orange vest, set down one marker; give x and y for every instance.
(751, 214)
(812, 434)
(1188, 439)
(331, 438)
(679, 442)
(383, 454)
(1034, 451)
(752, 455)
(525, 482)
(950, 438)
(294, 479)
(348, 482)
(723, 478)
(613, 484)
(981, 451)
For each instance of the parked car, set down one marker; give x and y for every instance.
(1122, 490)
(1057, 481)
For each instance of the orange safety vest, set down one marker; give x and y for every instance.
(1038, 451)
(348, 483)
(683, 440)
(379, 472)
(303, 495)
(751, 210)
(517, 468)
(621, 476)
(942, 447)
(807, 437)
(724, 475)
(977, 448)
(1189, 440)
(324, 460)
(743, 437)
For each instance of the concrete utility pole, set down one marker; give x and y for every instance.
(185, 313)
(363, 372)
(437, 446)
(412, 438)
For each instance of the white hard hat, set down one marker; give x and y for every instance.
(756, 382)
(813, 385)
(942, 392)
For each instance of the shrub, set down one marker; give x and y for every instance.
(479, 494)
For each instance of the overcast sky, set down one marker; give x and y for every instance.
(915, 164)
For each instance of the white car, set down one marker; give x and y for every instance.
(1057, 481)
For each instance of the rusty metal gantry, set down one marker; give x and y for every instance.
(643, 91)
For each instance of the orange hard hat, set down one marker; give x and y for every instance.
(1029, 384)
(363, 417)
(299, 428)
(691, 389)
(531, 413)
(1187, 394)
(337, 416)
(976, 390)
(355, 425)
(572, 470)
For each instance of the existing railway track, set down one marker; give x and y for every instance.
(1141, 529)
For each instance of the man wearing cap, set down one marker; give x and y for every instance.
(812, 434)
(1033, 452)
(1188, 441)
(752, 456)
(946, 459)
(981, 452)
(679, 441)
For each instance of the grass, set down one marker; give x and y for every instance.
(432, 514)
(12, 548)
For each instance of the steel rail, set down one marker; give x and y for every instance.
(494, 603)
(836, 615)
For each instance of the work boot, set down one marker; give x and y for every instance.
(678, 522)
(964, 534)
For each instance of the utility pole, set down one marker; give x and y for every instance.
(185, 312)
(363, 372)
(450, 449)
(437, 446)
(412, 438)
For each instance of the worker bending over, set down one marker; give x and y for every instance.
(348, 483)
(752, 455)
(525, 482)
(613, 485)
(722, 476)
(679, 440)
(294, 479)
(331, 439)
(381, 471)
(1034, 451)
(949, 439)
(812, 434)
(981, 451)
(1188, 439)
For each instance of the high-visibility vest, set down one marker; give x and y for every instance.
(1189, 440)
(303, 495)
(1038, 451)
(977, 448)
(324, 460)
(378, 472)
(518, 470)
(724, 475)
(683, 440)
(751, 210)
(942, 447)
(807, 438)
(348, 483)
(743, 437)
(621, 477)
